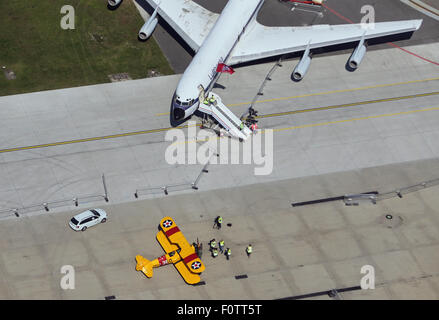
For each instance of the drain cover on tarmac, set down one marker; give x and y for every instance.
(391, 221)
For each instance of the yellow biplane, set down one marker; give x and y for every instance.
(178, 252)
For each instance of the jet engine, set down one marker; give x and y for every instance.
(114, 3)
(303, 65)
(149, 26)
(357, 56)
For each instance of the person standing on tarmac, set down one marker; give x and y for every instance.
(214, 252)
(249, 250)
(228, 253)
(221, 246)
(219, 221)
(212, 244)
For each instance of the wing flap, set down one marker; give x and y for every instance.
(261, 41)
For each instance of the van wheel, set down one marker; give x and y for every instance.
(103, 220)
(84, 228)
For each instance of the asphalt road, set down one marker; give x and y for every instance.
(275, 13)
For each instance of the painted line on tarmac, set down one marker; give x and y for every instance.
(326, 93)
(113, 136)
(386, 115)
(354, 104)
(423, 8)
(128, 134)
(320, 124)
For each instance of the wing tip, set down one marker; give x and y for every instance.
(417, 23)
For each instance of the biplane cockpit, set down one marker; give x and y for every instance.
(178, 252)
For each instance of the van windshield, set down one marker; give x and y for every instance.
(74, 221)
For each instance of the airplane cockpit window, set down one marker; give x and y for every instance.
(188, 102)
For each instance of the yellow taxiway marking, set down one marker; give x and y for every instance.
(357, 119)
(354, 104)
(326, 93)
(128, 134)
(325, 123)
(119, 135)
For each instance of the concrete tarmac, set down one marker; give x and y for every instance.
(340, 132)
(296, 251)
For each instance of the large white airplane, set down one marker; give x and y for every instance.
(234, 37)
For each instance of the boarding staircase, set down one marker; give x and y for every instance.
(226, 118)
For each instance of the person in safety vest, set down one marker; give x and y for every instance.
(221, 246)
(219, 221)
(228, 253)
(212, 244)
(214, 253)
(249, 250)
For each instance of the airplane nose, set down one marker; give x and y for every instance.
(179, 113)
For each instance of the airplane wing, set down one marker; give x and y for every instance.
(190, 20)
(260, 41)
(171, 237)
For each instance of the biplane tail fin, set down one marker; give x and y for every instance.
(144, 265)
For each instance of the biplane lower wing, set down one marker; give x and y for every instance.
(189, 277)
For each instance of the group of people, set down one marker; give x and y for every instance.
(212, 244)
(208, 101)
(221, 246)
(251, 121)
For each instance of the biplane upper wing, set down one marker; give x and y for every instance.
(171, 238)
(172, 233)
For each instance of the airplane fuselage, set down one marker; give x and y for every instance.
(216, 48)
